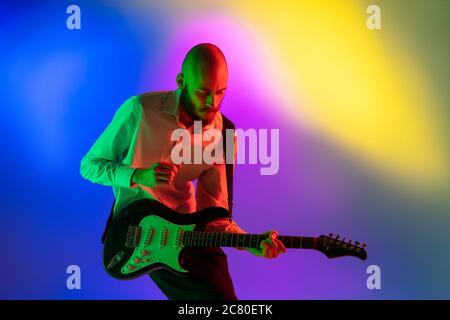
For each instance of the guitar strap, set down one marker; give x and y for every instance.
(227, 124)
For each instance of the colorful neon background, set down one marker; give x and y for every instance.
(364, 127)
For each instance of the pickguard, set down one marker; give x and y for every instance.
(160, 243)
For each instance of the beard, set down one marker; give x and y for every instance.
(191, 110)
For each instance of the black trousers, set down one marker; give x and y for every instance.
(209, 278)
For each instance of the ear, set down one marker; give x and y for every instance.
(180, 81)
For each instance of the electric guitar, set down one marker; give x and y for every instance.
(147, 235)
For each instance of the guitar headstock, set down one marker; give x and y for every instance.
(333, 246)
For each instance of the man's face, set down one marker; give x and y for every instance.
(203, 92)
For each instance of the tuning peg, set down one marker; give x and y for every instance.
(364, 246)
(349, 241)
(357, 243)
(330, 235)
(337, 237)
(343, 239)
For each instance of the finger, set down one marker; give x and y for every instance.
(271, 242)
(274, 244)
(281, 245)
(275, 248)
(266, 248)
(277, 244)
(165, 173)
(162, 170)
(168, 165)
(162, 178)
(266, 252)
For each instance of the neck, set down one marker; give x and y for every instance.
(184, 117)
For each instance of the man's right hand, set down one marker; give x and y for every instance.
(160, 173)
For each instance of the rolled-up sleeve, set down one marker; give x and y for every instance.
(103, 162)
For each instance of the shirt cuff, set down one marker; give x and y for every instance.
(123, 177)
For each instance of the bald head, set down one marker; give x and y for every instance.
(203, 81)
(203, 58)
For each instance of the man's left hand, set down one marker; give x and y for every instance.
(270, 247)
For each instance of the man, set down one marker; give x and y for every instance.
(133, 155)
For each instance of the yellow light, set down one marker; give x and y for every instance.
(350, 83)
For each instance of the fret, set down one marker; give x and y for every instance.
(238, 240)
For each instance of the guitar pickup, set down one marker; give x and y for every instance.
(133, 237)
(149, 237)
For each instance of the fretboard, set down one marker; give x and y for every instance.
(243, 240)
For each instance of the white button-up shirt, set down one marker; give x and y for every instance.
(140, 135)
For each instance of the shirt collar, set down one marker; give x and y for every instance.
(171, 104)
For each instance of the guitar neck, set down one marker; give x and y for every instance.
(241, 240)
